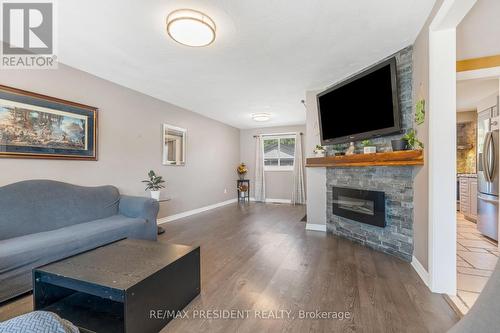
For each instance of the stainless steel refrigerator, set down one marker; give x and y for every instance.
(488, 172)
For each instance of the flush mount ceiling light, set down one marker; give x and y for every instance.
(261, 116)
(191, 27)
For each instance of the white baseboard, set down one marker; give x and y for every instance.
(283, 201)
(417, 266)
(269, 200)
(194, 211)
(316, 227)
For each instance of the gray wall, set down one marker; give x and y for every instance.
(421, 184)
(279, 184)
(130, 142)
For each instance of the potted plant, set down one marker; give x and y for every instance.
(242, 170)
(338, 149)
(411, 140)
(154, 184)
(368, 147)
(398, 144)
(319, 151)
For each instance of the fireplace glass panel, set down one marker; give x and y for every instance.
(361, 206)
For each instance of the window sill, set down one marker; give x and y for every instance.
(278, 169)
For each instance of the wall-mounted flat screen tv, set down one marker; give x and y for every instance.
(362, 107)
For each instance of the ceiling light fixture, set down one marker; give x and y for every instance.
(190, 27)
(261, 116)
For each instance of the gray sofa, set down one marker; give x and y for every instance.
(42, 221)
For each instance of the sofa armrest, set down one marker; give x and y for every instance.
(140, 207)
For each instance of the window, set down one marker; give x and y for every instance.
(279, 152)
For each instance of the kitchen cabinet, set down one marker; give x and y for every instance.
(468, 196)
(473, 198)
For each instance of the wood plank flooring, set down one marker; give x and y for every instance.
(258, 257)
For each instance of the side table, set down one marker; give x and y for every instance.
(160, 229)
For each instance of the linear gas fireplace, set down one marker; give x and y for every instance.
(359, 205)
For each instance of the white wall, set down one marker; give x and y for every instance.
(487, 102)
(478, 34)
(421, 182)
(129, 142)
(316, 177)
(279, 184)
(442, 144)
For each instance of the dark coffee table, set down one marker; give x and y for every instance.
(120, 287)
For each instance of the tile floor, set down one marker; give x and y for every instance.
(476, 258)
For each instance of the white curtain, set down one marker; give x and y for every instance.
(299, 193)
(260, 184)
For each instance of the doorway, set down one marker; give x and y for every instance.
(443, 226)
(477, 197)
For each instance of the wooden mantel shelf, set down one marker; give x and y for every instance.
(396, 158)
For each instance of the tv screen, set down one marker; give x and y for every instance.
(361, 107)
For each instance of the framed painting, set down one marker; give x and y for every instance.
(38, 126)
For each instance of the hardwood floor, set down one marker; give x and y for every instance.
(258, 257)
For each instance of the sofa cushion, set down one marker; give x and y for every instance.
(34, 206)
(20, 254)
(38, 322)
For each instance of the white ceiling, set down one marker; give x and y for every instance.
(470, 92)
(478, 35)
(266, 55)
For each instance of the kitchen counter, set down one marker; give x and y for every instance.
(467, 175)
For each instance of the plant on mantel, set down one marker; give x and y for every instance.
(319, 151)
(368, 147)
(412, 141)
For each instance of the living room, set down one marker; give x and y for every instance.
(234, 166)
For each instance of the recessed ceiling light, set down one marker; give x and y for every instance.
(191, 27)
(261, 116)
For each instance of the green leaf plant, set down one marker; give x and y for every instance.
(412, 141)
(366, 143)
(420, 112)
(154, 183)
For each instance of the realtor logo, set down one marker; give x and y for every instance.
(28, 35)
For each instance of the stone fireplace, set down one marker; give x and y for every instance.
(396, 183)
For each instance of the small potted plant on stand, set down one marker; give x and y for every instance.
(368, 147)
(243, 188)
(154, 184)
(319, 151)
(242, 170)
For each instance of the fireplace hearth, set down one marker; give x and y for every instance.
(359, 205)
